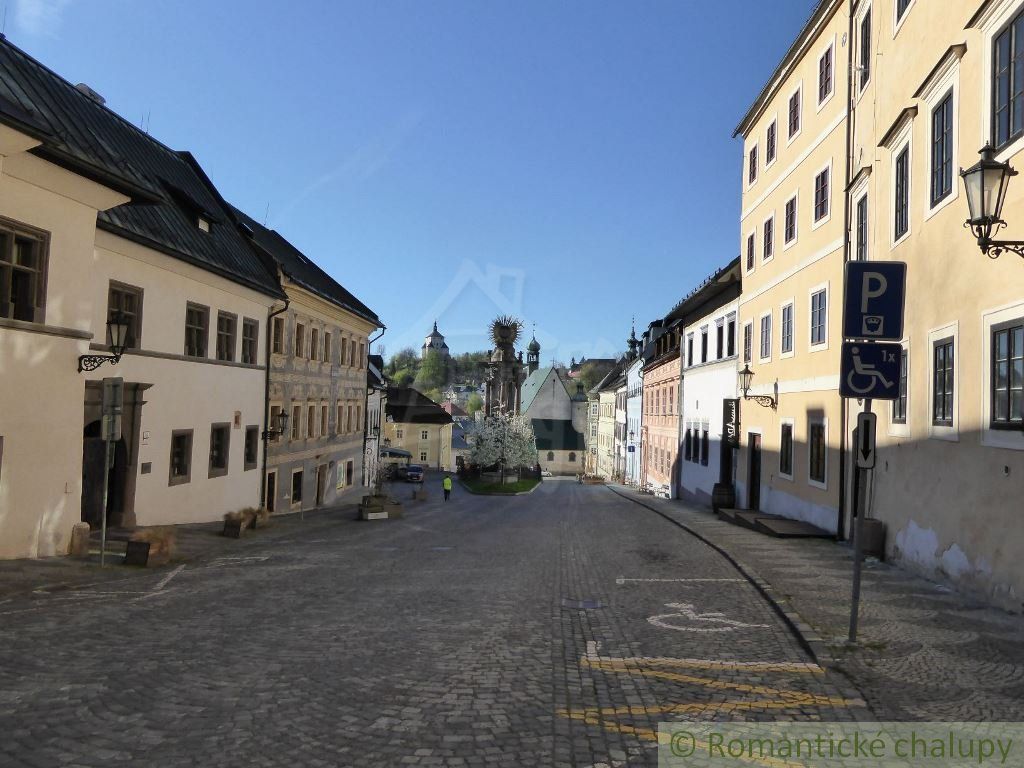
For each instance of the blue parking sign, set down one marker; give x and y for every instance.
(869, 369)
(873, 308)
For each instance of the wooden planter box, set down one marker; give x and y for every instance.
(233, 528)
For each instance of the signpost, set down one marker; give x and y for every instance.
(872, 313)
(113, 403)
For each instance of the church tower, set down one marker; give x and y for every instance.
(533, 354)
(434, 341)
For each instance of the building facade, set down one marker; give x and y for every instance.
(662, 398)
(420, 426)
(376, 401)
(634, 418)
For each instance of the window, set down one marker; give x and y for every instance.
(769, 144)
(296, 422)
(314, 344)
(794, 114)
(310, 420)
(327, 347)
(748, 342)
(787, 329)
(226, 324)
(862, 228)
(250, 336)
(766, 337)
(1008, 83)
(825, 75)
(197, 323)
(324, 416)
(220, 445)
(786, 451)
(942, 149)
(181, 457)
(750, 251)
(899, 405)
(399, 433)
(768, 239)
(358, 425)
(942, 388)
(752, 165)
(819, 317)
(551, 455)
(719, 340)
(901, 7)
(339, 422)
(790, 223)
(901, 222)
(865, 49)
(300, 340)
(275, 410)
(731, 337)
(687, 445)
(252, 441)
(344, 351)
(704, 344)
(127, 300)
(689, 349)
(705, 447)
(204, 224)
(22, 274)
(297, 487)
(821, 199)
(277, 343)
(572, 456)
(423, 455)
(1008, 375)
(816, 466)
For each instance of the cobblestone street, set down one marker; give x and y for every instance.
(555, 628)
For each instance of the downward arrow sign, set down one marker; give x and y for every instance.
(866, 440)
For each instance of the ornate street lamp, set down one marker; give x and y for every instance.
(278, 429)
(117, 329)
(985, 183)
(768, 401)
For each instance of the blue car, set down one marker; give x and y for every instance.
(414, 474)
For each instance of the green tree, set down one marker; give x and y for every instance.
(402, 368)
(591, 373)
(433, 372)
(474, 404)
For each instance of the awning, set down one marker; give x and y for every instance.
(398, 452)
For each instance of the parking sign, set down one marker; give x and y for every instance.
(875, 292)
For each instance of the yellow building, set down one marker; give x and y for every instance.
(792, 255)
(933, 87)
(420, 426)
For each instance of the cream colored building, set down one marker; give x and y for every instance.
(606, 426)
(420, 426)
(950, 478)
(72, 253)
(792, 256)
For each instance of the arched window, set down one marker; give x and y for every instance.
(551, 455)
(572, 456)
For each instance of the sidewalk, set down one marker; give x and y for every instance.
(196, 541)
(925, 652)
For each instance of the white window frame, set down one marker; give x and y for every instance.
(768, 164)
(951, 433)
(903, 139)
(792, 423)
(760, 334)
(291, 483)
(859, 191)
(830, 49)
(903, 430)
(823, 345)
(995, 18)
(791, 303)
(948, 80)
(796, 228)
(897, 22)
(771, 218)
(823, 420)
(858, 20)
(740, 342)
(831, 189)
(993, 438)
(798, 89)
(746, 240)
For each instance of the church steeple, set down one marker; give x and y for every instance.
(633, 342)
(533, 353)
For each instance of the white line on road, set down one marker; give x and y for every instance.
(164, 581)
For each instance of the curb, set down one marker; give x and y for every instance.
(467, 489)
(805, 635)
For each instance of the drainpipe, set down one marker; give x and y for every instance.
(266, 401)
(366, 406)
(850, 112)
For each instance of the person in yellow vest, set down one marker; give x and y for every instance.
(447, 485)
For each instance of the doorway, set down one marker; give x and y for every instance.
(271, 491)
(321, 484)
(754, 471)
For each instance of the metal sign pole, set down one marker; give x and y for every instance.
(107, 445)
(858, 530)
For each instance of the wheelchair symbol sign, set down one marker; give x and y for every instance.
(870, 370)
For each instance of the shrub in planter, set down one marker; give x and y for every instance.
(237, 521)
(162, 541)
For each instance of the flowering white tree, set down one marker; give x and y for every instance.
(502, 435)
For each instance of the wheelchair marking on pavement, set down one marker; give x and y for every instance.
(686, 612)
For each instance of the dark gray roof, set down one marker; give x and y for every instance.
(557, 435)
(302, 270)
(168, 189)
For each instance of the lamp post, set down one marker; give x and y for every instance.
(272, 433)
(768, 401)
(117, 328)
(986, 183)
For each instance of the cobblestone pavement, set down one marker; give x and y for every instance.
(551, 629)
(925, 652)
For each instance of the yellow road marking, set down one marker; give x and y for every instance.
(744, 666)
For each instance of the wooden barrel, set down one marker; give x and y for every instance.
(723, 496)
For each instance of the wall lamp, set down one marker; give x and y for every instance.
(278, 429)
(768, 401)
(985, 183)
(117, 330)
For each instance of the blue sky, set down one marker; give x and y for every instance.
(568, 162)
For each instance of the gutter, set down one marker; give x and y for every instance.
(266, 402)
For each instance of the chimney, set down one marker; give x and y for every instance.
(83, 88)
